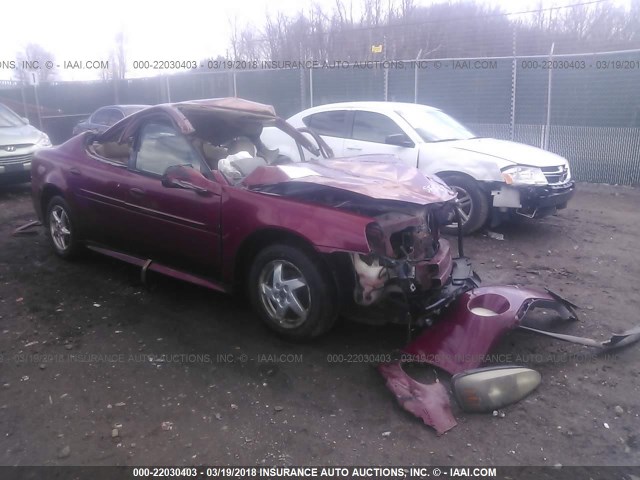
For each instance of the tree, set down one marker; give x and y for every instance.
(117, 59)
(35, 54)
(439, 30)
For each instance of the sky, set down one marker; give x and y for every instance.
(184, 30)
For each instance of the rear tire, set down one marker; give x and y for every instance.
(61, 229)
(473, 202)
(292, 292)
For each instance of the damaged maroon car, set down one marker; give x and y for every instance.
(191, 190)
(194, 190)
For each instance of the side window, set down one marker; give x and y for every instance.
(162, 147)
(327, 123)
(115, 116)
(101, 116)
(373, 127)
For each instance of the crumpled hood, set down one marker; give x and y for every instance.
(382, 177)
(506, 153)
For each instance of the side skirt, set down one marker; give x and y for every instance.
(149, 265)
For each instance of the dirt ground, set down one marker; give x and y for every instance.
(82, 381)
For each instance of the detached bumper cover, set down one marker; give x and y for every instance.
(460, 341)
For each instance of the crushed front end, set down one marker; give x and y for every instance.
(410, 268)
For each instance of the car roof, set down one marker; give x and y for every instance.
(369, 105)
(125, 108)
(231, 107)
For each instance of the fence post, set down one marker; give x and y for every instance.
(116, 94)
(302, 95)
(311, 87)
(235, 83)
(385, 69)
(514, 75)
(35, 94)
(24, 99)
(415, 77)
(547, 125)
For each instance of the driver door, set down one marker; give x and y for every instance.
(178, 227)
(369, 136)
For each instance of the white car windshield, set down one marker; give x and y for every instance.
(9, 119)
(434, 125)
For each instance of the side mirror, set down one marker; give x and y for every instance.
(25, 120)
(491, 388)
(399, 140)
(185, 177)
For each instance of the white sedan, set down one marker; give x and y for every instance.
(486, 172)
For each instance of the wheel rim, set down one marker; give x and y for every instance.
(60, 228)
(284, 293)
(465, 204)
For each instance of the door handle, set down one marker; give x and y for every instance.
(137, 192)
(354, 148)
(74, 171)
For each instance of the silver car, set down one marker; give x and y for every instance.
(18, 142)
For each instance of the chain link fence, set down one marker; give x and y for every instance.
(585, 107)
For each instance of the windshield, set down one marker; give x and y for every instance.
(434, 125)
(288, 149)
(8, 118)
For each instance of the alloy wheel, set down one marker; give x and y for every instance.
(465, 204)
(284, 293)
(60, 228)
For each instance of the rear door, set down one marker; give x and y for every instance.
(95, 183)
(332, 127)
(369, 133)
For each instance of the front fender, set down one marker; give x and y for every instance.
(436, 159)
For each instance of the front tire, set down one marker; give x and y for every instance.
(292, 292)
(473, 203)
(62, 228)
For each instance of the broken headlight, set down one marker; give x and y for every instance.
(376, 238)
(487, 389)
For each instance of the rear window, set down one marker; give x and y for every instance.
(327, 123)
(101, 117)
(114, 116)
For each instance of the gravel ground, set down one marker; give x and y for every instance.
(77, 386)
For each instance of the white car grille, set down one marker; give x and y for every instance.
(556, 175)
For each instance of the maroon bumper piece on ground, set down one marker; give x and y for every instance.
(428, 402)
(460, 341)
(474, 323)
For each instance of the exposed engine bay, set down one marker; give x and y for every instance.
(408, 260)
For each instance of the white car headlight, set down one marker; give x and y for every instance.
(520, 175)
(44, 141)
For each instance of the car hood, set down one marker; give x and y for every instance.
(506, 153)
(24, 134)
(381, 177)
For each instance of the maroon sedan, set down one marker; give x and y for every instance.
(194, 190)
(190, 190)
